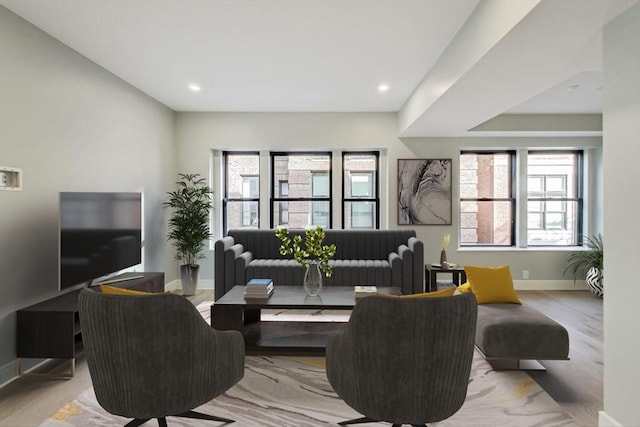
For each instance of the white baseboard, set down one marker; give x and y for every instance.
(549, 285)
(8, 373)
(202, 284)
(206, 284)
(172, 286)
(522, 285)
(541, 285)
(605, 420)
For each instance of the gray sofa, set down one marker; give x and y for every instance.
(363, 257)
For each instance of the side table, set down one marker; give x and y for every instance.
(431, 273)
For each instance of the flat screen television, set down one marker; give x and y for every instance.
(99, 234)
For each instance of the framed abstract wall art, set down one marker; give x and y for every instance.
(424, 191)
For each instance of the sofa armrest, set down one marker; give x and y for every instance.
(417, 247)
(406, 254)
(220, 248)
(395, 261)
(241, 262)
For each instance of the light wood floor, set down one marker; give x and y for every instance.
(575, 384)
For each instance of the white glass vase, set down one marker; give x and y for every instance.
(312, 279)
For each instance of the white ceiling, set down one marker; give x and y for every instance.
(498, 56)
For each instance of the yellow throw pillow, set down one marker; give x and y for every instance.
(464, 288)
(441, 293)
(492, 284)
(106, 289)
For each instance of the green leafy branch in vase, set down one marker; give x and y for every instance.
(313, 249)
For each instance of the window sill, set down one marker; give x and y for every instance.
(517, 249)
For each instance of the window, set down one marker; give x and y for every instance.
(487, 198)
(301, 190)
(241, 190)
(554, 202)
(360, 193)
(552, 210)
(301, 195)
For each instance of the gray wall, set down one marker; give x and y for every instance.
(70, 126)
(621, 127)
(199, 133)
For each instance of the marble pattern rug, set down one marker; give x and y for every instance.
(294, 392)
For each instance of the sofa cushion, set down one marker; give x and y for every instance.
(360, 272)
(281, 271)
(350, 244)
(345, 272)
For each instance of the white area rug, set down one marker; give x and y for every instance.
(295, 392)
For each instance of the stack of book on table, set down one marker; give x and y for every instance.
(259, 288)
(364, 291)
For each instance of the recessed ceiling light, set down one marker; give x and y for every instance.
(383, 87)
(194, 87)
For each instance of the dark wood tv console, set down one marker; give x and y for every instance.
(51, 329)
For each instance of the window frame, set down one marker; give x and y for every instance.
(226, 199)
(374, 198)
(513, 200)
(578, 199)
(273, 199)
(520, 192)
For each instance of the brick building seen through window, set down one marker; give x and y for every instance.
(301, 190)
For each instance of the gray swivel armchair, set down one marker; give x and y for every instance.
(404, 360)
(155, 356)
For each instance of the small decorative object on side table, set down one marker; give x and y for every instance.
(443, 252)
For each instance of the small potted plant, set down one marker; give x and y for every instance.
(189, 225)
(589, 262)
(312, 255)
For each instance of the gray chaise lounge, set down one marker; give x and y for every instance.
(363, 257)
(512, 336)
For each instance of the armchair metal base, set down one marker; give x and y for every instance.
(162, 422)
(357, 421)
(364, 420)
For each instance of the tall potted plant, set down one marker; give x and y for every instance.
(589, 262)
(189, 225)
